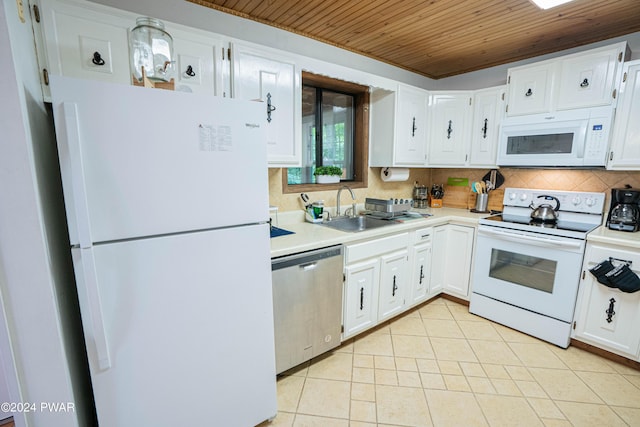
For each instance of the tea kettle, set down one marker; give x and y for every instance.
(545, 212)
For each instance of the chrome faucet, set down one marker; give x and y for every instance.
(353, 197)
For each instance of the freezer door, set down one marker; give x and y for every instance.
(188, 324)
(141, 162)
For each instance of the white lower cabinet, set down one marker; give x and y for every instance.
(607, 317)
(451, 261)
(393, 284)
(361, 296)
(375, 282)
(420, 262)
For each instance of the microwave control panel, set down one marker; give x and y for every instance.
(597, 140)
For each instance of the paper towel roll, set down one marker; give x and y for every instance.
(394, 174)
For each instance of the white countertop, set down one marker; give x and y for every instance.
(613, 237)
(312, 236)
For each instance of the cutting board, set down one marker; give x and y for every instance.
(457, 197)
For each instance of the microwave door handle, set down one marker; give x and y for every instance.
(519, 238)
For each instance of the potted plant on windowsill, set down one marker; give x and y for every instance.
(327, 174)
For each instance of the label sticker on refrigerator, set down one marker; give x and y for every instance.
(215, 138)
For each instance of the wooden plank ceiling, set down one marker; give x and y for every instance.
(441, 38)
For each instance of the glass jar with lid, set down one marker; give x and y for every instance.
(151, 48)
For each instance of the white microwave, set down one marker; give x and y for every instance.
(574, 138)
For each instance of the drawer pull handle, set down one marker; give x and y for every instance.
(361, 298)
(421, 273)
(449, 129)
(485, 128)
(394, 288)
(414, 128)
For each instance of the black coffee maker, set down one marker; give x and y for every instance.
(624, 213)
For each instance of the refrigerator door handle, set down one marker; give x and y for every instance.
(95, 307)
(72, 129)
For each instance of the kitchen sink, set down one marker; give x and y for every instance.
(358, 223)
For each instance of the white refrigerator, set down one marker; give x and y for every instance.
(166, 195)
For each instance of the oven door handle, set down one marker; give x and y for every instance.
(519, 238)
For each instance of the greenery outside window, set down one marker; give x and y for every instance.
(335, 122)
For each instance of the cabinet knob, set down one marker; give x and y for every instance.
(97, 59)
(529, 92)
(585, 83)
(190, 71)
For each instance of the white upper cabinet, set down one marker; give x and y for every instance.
(91, 41)
(625, 143)
(580, 80)
(84, 43)
(199, 63)
(488, 111)
(449, 124)
(398, 127)
(530, 88)
(258, 74)
(589, 79)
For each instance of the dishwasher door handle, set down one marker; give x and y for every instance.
(310, 266)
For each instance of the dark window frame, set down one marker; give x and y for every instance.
(360, 137)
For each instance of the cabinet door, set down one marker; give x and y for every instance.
(488, 110)
(588, 80)
(458, 262)
(530, 89)
(77, 46)
(393, 284)
(361, 296)
(438, 257)
(421, 274)
(411, 127)
(625, 144)
(257, 76)
(198, 64)
(449, 129)
(607, 317)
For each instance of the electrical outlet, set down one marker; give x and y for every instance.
(20, 10)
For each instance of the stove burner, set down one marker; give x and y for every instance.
(543, 223)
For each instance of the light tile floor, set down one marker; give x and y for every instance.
(442, 366)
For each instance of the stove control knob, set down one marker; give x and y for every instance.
(590, 201)
(512, 196)
(576, 201)
(524, 196)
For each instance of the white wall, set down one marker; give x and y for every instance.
(36, 285)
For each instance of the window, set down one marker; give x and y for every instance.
(335, 121)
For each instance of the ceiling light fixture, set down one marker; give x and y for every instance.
(548, 4)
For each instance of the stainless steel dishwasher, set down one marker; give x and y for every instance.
(307, 304)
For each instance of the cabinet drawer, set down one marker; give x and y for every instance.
(360, 251)
(422, 235)
(601, 253)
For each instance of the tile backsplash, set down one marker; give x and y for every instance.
(551, 179)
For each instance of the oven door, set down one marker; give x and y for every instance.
(536, 272)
